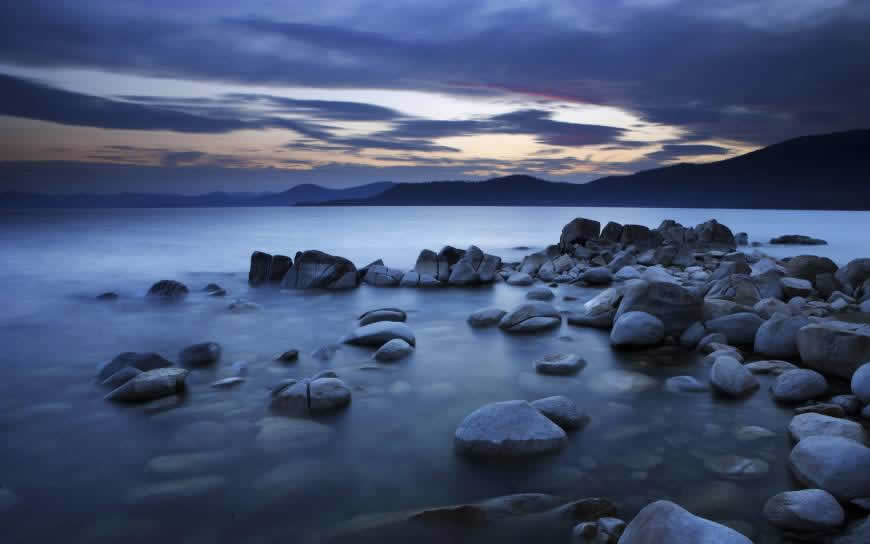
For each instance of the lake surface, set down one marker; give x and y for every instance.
(218, 466)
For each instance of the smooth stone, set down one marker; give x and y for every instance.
(657, 274)
(730, 377)
(560, 365)
(739, 328)
(510, 429)
(227, 383)
(121, 377)
(803, 426)
(777, 337)
(685, 384)
(796, 287)
(824, 408)
(850, 403)
(562, 411)
(637, 329)
(860, 383)
(327, 394)
(540, 293)
(627, 273)
(664, 522)
(168, 289)
(202, 354)
(140, 361)
(150, 385)
(289, 356)
(768, 307)
(750, 433)
(834, 348)
(711, 358)
(799, 385)
(383, 314)
(378, 334)
(487, 317)
(597, 276)
(735, 467)
(531, 317)
(393, 351)
(693, 335)
(838, 465)
(770, 367)
(519, 279)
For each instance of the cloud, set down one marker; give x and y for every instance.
(671, 152)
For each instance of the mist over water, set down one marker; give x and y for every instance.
(218, 466)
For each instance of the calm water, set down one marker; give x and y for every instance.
(217, 466)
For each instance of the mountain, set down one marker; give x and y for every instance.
(829, 171)
(306, 192)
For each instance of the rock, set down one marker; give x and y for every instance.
(530, 317)
(676, 307)
(289, 356)
(612, 232)
(626, 273)
(150, 385)
(767, 307)
(742, 239)
(487, 317)
(807, 267)
(637, 329)
(730, 377)
(121, 377)
(795, 287)
(803, 426)
(327, 394)
(227, 383)
(540, 293)
(657, 274)
(603, 320)
(562, 411)
(709, 342)
(685, 384)
(508, 429)
(110, 295)
(751, 433)
(824, 408)
(856, 533)
(578, 231)
(854, 274)
(168, 289)
(769, 367)
(560, 365)
(739, 328)
(621, 260)
(713, 234)
(834, 348)
(383, 314)
(393, 350)
(663, 522)
(735, 467)
(218, 293)
(266, 268)
(382, 276)
(378, 334)
(318, 270)
(692, 335)
(838, 465)
(291, 395)
(474, 268)
(519, 279)
(804, 510)
(797, 239)
(637, 235)
(799, 386)
(850, 403)
(600, 275)
(140, 361)
(777, 337)
(202, 354)
(436, 266)
(240, 306)
(711, 358)
(861, 383)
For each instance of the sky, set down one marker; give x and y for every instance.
(193, 96)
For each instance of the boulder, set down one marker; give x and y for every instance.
(766, 307)
(578, 231)
(168, 290)
(519, 279)
(797, 239)
(713, 234)
(487, 317)
(433, 265)
(508, 429)
(393, 350)
(637, 329)
(854, 274)
(382, 276)
(318, 270)
(795, 287)
(560, 365)
(474, 268)
(121, 377)
(807, 267)
(768, 284)
(202, 354)
(803, 426)
(612, 232)
(730, 377)
(676, 307)
(657, 274)
(838, 465)
(804, 510)
(562, 411)
(861, 383)
(636, 235)
(258, 273)
(540, 293)
(664, 522)
(777, 337)
(379, 333)
(327, 394)
(150, 385)
(739, 328)
(600, 275)
(626, 273)
(140, 361)
(281, 264)
(622, 259)
(799, 386)
(834, 348)
(530, 317)
(383, 314)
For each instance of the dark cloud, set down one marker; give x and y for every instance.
(671, 152)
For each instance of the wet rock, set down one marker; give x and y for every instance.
(140, 361)
(393, 350)
(378, 334)
(578, 231)
(202, 354)
(730, 377)
(436, 266)
(769, 367)
(676, 307)
(739, 328)
(150, 385)
(799, 386)
(540, 293)
(838, 465)
(228, 383)
(637, 329)
(861, 383)
(212, 287)
(289, 356)
(807, 267)
(531, 317)
(318, 270)
(735, 467)
(692, 335)
(382, 276)
(795, 287)
(685, 384)
(834, 348)
(621, 260)
(797, 239)
(850, 403)
(168, 289)
(777, 337)
(600, 275)
(804, 510)
(803, 426)
(560, 365)
(291, 396)
(508, 429)
(562, 411)
(110, 295)
(824, 408)
(474, 268)
(751, 433)
(519, 279)
(327, 394)
(383, 314)
(665, 522)
(487, 317)
(121, 377)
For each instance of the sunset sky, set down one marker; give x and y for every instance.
(193, 96)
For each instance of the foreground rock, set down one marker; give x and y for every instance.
(637, 329)
(777, 337)
(834, 348)
(799, 386)
(562, 411)
(560, 365)
(322, 393)
(393, 350)
(838, 465)
(732, 378)
(383, 314)
(140, 361)
(151, 385)
(805, 510)
(266, 268)
(739, 328)
(664, 522)
(474, 268)
(861, 383)
(378, 334)
(202, 354)
(676, 307)
(487, 317)
(168, 290)
(579, 231)
(508, 429)
(318, 270)
(803, 426)
(531, 317)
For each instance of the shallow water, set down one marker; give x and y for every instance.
(89, 471)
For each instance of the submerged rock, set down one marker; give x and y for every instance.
(202, 354)
(560, 365)
(531, 317)
(140, 361)
(378, 334)
(804, 510)
(487, 317)
(637, 329)
(508, 429)
(769, 367)
(327, 394)
(110, 295)
(318, 270)
(664, 522)
(732, 378)
(799, 386)
(838, 465)
(393, 350)
(562, 411)
(735, 467)
(168, 289)
(150, 385)
(383, 314)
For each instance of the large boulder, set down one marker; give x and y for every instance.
(382, 276)
(530, 317)
(804, 510)
(637, 329)
(266, 268)
(318, 270)
(799, 385)
(834, 348)
(578, 231)
(676, 307)
(838, 465)
(855, 273)
(150, 385)
(508, 429)
(664, 522)
(807, 267)
(777, 337)
(803, 426)
(433, 265)
(379, 333)
(795, 287)
(730, 377)
(861, 383)
(168, 290)
(612, 232)
(739, 328)
(562, 411)
(637, 235)
(712, 234)
(202, 354)
(474, 268)
(140, 361)
(487, 317)
(600, 275)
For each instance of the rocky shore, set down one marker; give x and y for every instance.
(802, 319)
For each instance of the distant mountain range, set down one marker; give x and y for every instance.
(830, 171)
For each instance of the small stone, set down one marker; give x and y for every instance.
(289, 356)
(560, 365)
(803, 426)
(200, 354)
(393, 350)
(730, 377)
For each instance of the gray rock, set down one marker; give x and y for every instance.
(140, 361)
(519, 279)
(487, 317)
(612, 232)
(685, 384)
(578, 231)
(436, 266)
(854, 274)
(777, 337)
(508, 429)
(266, 268)
(769, 367)
(562, 411)
(151, 385)
(849, 403)
(692, 335)
(637, 329)
(730, 377)
(121, 377)
(600, 275)
(824, 408)
(227, 383)
(739, 328)
(327, 394)
(289, 356)
(708, 343)
(108, 296)
(807, 267)
(735, 467)
(804, 510)
(834, 348)
(540, 293)
(795, 287)
(803, 426)
(838, 465)
(474, 268)
(393, 350)
(622, 259)
(291, 395)
(378, 334)
(713, 234)
(318, 270)
(382, 276)
(560, 365)
(202, 354)
(626, 273)
(676, 307)
(531, 317)
(663, 522)
(799, 386)
(168, 289)
(603, 320)
(383, 314)
(861, 383)
(657, 274)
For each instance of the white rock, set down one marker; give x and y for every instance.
(799, 385)
(838, 465)
(803, 426)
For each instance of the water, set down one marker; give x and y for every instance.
(88, 471)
